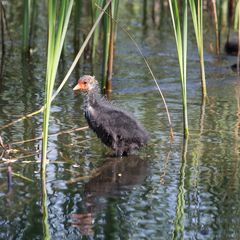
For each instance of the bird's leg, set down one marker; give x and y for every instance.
(117, 145)
(119, 153)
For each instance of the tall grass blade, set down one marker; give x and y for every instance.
(55, 43)
(46, 231)
(107, 28)
(181, 43)
(56, 38)
(113, 33)
(184, 96)
(236, 16)
(216, 26)
(197, 16)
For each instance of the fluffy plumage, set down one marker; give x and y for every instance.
(116, 128)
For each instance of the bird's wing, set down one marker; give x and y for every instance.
(118, 122)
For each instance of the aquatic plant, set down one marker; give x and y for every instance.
(197, 16)
(113, 33)
(181, 44)
(216, 26)
(108, 30)
(57, 27)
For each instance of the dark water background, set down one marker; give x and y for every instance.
(187, 190)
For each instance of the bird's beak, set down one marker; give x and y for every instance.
(77, 87)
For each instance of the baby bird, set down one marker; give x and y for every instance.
(116, 128)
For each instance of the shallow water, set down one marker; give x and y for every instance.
(187, 190)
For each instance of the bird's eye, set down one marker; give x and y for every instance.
(84, 83)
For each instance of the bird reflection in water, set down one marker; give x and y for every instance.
(114, 179)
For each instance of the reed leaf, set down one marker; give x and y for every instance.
(216, 26)
(197, 17)
(56, 38)
(181, 44)
(95, 15)
(45, 224)
(22, 177)
(113, 34)
(236, 16)
(107, 28)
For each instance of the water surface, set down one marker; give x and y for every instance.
(187, 190)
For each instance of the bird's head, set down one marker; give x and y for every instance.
(86, 83)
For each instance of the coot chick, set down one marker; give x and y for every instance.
(116, 128)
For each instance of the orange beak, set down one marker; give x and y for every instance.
(80, 86)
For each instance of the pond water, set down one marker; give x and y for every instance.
(189, 189)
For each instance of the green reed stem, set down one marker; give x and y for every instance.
(236, 16)
(95, 15)
(56, 38)
(107, 23)
(113, 33)
(197, 17)
(181, 43)
(46, 231)
(216, 26)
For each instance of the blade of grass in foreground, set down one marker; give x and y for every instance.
(198, 27)
(181, 44)
(56, 38)
(55, 43)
